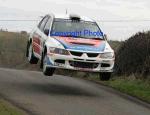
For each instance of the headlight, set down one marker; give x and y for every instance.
(107, 55)
(59, 51)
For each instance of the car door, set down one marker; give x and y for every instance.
(39, 37)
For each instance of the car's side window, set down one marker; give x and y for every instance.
(47, 26)
(42, 23)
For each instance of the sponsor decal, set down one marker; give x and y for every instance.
(36, 44)
(81, 44)
(79, 33)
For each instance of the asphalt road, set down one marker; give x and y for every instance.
(62, 95)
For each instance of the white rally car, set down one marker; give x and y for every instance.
(70, 42)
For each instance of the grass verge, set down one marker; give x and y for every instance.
(8, 109)
(126, 84)
(134, 87)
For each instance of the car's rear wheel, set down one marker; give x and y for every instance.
(41, 63)
(32, 59)
(48, 71)
(105, 76)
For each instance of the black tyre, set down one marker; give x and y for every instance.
(41, 63)
(27, 51)
(32, 59)
(105, 76)
(48, 71)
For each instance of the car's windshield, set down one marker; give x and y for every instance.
(75, 28)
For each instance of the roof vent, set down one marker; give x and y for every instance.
(74, 17)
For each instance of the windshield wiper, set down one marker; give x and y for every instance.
(97, 38)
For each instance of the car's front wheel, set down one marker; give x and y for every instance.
(48, 71)
(105, 76)
(32, 59)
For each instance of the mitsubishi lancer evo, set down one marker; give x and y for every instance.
(70, 42)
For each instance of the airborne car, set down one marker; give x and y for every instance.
(70, 42)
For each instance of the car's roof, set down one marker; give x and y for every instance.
(67, 16)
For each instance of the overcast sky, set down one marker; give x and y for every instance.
(97, 9)
(128, 9)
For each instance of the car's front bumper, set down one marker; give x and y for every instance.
(82, 63)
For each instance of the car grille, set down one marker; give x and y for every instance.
(92, 54)
(83, 64)
(76, 53)
(81, 53)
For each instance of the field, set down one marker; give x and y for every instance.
(12, 51)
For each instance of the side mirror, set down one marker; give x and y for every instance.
(105, 37)
(46, 32)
